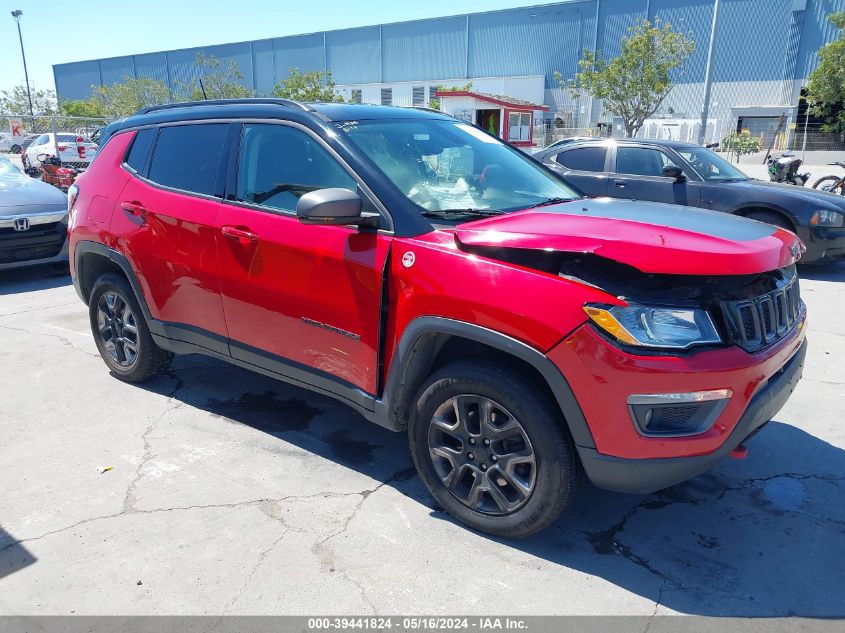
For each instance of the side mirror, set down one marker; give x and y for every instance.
(673, 171)
(335, 207)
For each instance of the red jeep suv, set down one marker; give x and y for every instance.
(441, 282)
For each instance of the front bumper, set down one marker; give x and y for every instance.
(824, 246)
(44, 242)
(647, 475)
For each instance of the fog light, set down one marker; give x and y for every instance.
(677, 414)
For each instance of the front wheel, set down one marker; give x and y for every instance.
(832, 184)
(492, 450)
(121, 333)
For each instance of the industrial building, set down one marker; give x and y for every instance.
(751, 60)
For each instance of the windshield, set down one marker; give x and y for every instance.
(450, 165)
(10, 173)
(709, 165)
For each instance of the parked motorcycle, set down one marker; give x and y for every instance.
(785, 169)
(52, 172)
(833, 184)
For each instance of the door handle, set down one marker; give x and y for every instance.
(134, 208)
(242, 236)
(619, 183)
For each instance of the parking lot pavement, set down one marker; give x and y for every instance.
(232, 493)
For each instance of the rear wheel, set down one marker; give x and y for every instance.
(830, 183)
(492, 450)
(121, 333)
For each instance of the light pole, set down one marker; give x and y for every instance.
(17, 15)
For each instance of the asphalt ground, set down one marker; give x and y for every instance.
(233, 493)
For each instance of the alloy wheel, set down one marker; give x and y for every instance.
(482, 454)
(117, 328)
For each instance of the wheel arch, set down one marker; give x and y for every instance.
(92, 259)
(748, 209)
(431, 342)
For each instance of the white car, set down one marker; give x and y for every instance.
(65, 146)
(5, 142)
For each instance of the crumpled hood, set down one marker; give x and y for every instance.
(20, 194)
(651, 237)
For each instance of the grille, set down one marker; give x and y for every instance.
(76, 164)
(756, 323)
(39, 242)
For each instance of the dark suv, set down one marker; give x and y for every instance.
(691, 175)
(441, 282)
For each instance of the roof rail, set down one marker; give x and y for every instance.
(290, 103)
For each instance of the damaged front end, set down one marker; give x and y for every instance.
(751, 311)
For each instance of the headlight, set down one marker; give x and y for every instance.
(645, 326)
(825, 217)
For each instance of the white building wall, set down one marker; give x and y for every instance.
(530, 88)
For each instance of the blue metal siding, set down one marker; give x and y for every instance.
(694, 18)
(498, 41)
(183, 70)
(615, 17)
(354, 55)
(423, 50)
(756, 41)
(817, 31)
(116, 69)
(751, 38)
(152, 65)
(74, 81)
(263, 66)
(303, 52)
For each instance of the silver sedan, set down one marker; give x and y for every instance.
(33, 220)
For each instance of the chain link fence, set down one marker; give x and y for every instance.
(23, 129)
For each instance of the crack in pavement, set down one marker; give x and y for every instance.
(653, 615)
(129, 499)
(261, 558)
(64, 340)
(326, 556)
(58, 305)
(607, 542)
(236, 504)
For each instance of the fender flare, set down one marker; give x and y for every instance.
(96, 248)
(409, 352)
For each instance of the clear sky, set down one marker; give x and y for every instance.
(57, 31)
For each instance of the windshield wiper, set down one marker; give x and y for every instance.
(548, 202)
(454, 214)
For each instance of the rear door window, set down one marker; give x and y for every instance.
(187, 157)
(140, 151)
(583, 158)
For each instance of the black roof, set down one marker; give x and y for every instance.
(269, 108)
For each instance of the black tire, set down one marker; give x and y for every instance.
(771, 218)
(832, 180)
(557, 471)
(118, 321)
(15, 149)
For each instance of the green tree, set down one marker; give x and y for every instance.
(826, 86)
(90, 107)
(221, 80)
(123, 99)
(311, 87)
(15, 101)
(741, 143)
(634, 84)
